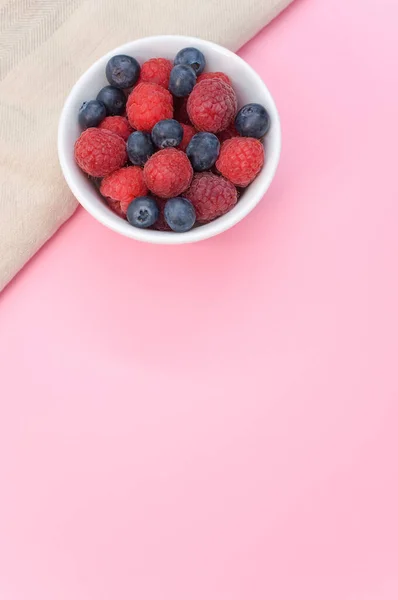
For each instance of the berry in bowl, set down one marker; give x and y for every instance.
(169, 139)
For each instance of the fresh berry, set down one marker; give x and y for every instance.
(211, 195)
(188, 133)
(156, 70)
(168, 173)
(124, 185)
(114, 100)
(241, 160)
(116, 207)
(179, 214)
(203, 150)
(91, 114)
(118, 125)
(147, 104)
(142, 212)
(99, 152)
(252, 121)
(193, 58)
(122, 71)
(215, 75)
(212, 105)
(161, 223)
(180, 110)
(227, 133)
(139, 147)
(182, 80)
(167, 134)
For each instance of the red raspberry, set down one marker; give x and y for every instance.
(188, 134)
(228, 133)
(180, 110)
(124, 185)
(156, 70)
(241, 160)
(211, 195)
(116, 207)
(216, 75)
(161, 224)
(212, 105)
(99, 152)
(118, 125)
(168, 173)
(147, 104)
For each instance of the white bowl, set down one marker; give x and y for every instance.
(249, 88)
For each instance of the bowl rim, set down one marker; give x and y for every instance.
(202, 232)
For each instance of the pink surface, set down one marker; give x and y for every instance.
(220, 421)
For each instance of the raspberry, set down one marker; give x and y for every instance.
(212, 105)
(161, 224)
(124, 185)
(156, 70)
(188, 134)
(240, 160)
(216, 75)
(99, 152)
(168, 173)
(117, 208)
(211, 195)
(118, 125)
(147, 104)
(228, 133)
(180, 110)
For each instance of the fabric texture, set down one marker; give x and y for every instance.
(45, 45)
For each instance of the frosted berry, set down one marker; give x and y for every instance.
(252, 121)
(179, 214)
(114, 100)
(139, 147)
(167, 133)
(143, 212)
(91, 114)
(182, 80)
(122, 71)
(193, 58)
(203, 151)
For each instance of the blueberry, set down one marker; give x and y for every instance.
(182, 80)
(203, 151)
(179, 214)
(91, 114)
(122, 71)
(167, 133)
(139, 147)
(142, 212)
(252, 121)
(114, 100)
(192, 57)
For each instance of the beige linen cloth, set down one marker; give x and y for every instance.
(45, 45)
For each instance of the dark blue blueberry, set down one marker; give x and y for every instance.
(122, 71)
(167, 133)
(91, 114)
(142, 212)
(191, 57)
(252, 121)
(182, 80)
(179, 214)
(203, 150)
(114, 100)
(139, 147)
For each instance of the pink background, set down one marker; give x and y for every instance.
(220, 421)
